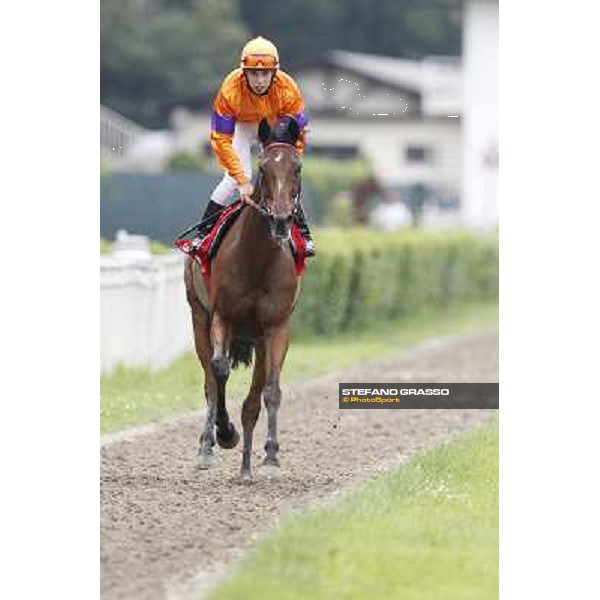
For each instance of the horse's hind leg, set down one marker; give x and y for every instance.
(251, 407)
(220, 335)
(276, 349)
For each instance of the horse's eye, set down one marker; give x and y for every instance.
(298, 169)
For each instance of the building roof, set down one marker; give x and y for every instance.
(437, 79)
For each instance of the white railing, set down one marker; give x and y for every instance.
(145, 321)
(117, 133)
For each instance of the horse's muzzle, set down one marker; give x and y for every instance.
(281, 227)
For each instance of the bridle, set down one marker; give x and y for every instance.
(262, 206)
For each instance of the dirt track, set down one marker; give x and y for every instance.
(168, 529)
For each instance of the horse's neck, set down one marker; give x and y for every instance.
(256, 247)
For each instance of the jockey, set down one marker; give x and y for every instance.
(257, 90)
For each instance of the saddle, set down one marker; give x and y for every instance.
(210, 244)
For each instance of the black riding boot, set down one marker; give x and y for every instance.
(209, 218)
(303, 225)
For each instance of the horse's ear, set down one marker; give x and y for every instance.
(293, 130)
(264, 131)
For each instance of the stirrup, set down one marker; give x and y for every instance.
(201, 234)
(195, 245)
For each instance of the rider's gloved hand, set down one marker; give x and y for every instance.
(246, 190)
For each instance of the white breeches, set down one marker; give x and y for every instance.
(243, 136)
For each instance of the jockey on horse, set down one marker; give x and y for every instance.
(257, 90)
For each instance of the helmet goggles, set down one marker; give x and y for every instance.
(259, 61)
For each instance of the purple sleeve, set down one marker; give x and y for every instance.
(222, 124)
(302, 119)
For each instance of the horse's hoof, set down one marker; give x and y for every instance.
(231, 441)
(269, 470)
(206, 461)
(246, 477)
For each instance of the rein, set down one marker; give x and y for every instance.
(262, 207)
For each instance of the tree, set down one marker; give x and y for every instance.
(307, 29)
(157, 52)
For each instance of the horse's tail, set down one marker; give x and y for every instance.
(240, 350)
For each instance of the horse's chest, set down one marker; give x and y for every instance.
(265, 305)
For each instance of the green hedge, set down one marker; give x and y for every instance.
(325, 178)
(361, 276)
(187, 161)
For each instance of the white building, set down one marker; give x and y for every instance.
(402, 115)
(479, 192)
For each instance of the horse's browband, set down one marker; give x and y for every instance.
(281, 144)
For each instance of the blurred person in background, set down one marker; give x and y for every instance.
(416, 197)
(390, 215)
(257, 89)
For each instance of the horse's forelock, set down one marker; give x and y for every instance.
(285, 130)
(269, 154)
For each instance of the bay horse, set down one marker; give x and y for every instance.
(250, 302)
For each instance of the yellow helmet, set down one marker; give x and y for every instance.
(259, 53)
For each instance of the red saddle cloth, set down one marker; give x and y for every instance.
(210, 244)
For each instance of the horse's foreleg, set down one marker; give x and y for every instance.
(220, 336)
(204, 352)
(206, 457)
(276, 348)
(251, 407)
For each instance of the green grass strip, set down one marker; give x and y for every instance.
(134, 396)
(106, 247)
(426, 531)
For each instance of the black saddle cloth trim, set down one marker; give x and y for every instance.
(224, 227)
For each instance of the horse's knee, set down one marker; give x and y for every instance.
(220, 367)
(210, 385)
(250, 410)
